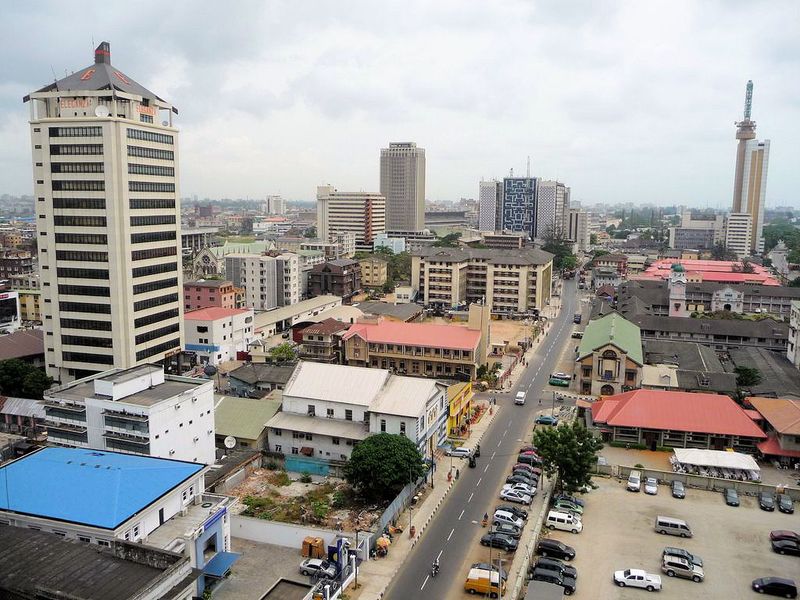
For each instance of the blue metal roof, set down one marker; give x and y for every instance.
(220, 564)
(91, 487)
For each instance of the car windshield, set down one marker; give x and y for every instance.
(627, 572)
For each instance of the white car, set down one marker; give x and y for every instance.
(520, 398)
(515, 496)
(521, 487)
(311, 566)
(651, 486)
(459, 452)
(638, 578)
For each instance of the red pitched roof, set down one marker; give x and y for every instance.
(678, 411)
(429, 335)
(710, 270)
(772, 447)
(212, 313)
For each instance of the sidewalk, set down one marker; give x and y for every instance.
(374, 576)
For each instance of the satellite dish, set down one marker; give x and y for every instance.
(210, 370)
(230, 442)
(101, 111)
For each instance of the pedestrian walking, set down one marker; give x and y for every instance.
(457, 474)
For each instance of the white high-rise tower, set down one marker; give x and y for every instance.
(105, 164)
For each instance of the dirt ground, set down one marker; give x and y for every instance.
(327, 502)
(500, 331)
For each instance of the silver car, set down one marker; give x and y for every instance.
(651, 486)
(675, 566)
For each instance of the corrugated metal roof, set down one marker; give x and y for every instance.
(334, 427)
(244, 418)
(21, 407)
(405, 396)
(781, 413)
(336, 383)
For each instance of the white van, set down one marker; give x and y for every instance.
(670, 526)
(635, 481)
(564, 521)
(462, 452)
(520, 398)
(505, 517)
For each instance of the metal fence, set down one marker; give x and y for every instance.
(397, 506)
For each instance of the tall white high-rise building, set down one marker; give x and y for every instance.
(750, 179)
(739, 233)
(268, 281)
(403, 186)
(105, 164)
(551, 208)
(490, 196)
(274, 205)
(578, 229)
(360, 213)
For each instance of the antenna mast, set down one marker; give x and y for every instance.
(529, 166)
(748, 100)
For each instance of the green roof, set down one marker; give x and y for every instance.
(612, 329)
(258, 247)
(244, 418)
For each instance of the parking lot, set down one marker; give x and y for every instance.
(733, 542)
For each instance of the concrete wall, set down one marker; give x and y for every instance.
(282, 534)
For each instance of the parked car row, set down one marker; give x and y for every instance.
(507, 524)
(566, 514)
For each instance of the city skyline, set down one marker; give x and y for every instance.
(270, 113)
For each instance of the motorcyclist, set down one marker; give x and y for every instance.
(435, 568)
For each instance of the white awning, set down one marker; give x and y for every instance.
(716, 458)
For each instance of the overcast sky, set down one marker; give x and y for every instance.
(624, 101)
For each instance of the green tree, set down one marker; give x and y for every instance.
(721, 252)
(448, 241)
(382, 465)
(592, 239)
(18, 378)
(557, 244)
(284, 352)
(747, 376)
(569, 452)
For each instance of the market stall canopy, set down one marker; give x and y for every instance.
(716, 458)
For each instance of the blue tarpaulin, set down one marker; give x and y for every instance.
(220, 564)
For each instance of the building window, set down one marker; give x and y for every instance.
(335, 441)
(348, 415)
(153, 302)
(402, 427)
(152, 203)
(155, 236)
(82, 256)
(330, 413)
(82, 273)
(76, 149)
(383, 425)
(76, 131)
(76, 167)
(76, 185)
(153, 220)
(311, 410)
(156, 153)
(146, 186)
(80, 203)
(295, 451)
(138, 134)
(154, 253)
(81, 238)
(83, 290)
(84, 307)
(278, 448)
(143, 288)
(157, 333)
(158, 170)
(158, 349)
(155, 269)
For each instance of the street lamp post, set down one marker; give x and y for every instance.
(500, 562)
(356, 565)
(553, 410)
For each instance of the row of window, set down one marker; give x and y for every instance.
(157, 153)
(158, 170)
(152, 203)
(86, 324)
(78, 132)
(155, 318)
(81, 203)
(158, 349)
(149, 186)
(155, 269)
(85, 357)
(153, 302)
(83, 340)
(82, 273)
(76, 149)
(84, 290)
(85, 307)
(76, 167)
(154, 253)
(79, 186)
(153, 220)
(82, 255)
(143, 288)
(149, 136)
(157, 333)
(155, 236)
(79, 221)
(81, 238)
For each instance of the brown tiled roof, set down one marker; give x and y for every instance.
(326, 327)
(782, 414)
(26, 342)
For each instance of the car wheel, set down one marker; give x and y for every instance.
(683, 535)
(493, 595)
(567, 592)
(551, 527)
(670, 573)
(574, 531)
(305, 573)
(543, 553)
(650, 588)
(781, 551)
(621, 583)
(569, 557)
(696, 579)
(484, 543)
(472, 592)
(662, 532)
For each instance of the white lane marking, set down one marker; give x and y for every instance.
(486, 468)
(461, 515)
(505, 432)
(438, 556)
(424, 582)
(510, 421)
(498, 443)
(470, 497)
(479, 482)
(452, 531)
(493, 453)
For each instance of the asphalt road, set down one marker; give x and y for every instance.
(455, 531)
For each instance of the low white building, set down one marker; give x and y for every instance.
(329, 408)
(395, 244)
(99, 497)
(216, 334)
(137, 411)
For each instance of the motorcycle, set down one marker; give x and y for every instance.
(435, 568)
